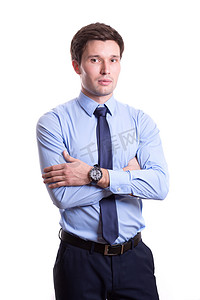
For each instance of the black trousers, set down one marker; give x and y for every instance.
(85, 275)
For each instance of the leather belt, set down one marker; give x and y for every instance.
(100, 248)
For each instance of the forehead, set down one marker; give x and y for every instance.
(101, 48)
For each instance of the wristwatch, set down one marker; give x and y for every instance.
(95, 174)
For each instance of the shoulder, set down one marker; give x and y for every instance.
(135, 113)
(142, 119)
(56, 114)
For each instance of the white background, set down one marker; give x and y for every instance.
(160, 75)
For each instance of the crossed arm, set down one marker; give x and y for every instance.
(68, 183)
(75, 173)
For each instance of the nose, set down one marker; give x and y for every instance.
(105, 68)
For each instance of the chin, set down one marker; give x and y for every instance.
(104, 92)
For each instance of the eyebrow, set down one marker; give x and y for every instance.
(90, 56)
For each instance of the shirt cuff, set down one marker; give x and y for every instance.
(119, 182)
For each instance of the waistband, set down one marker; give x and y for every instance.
(104, 249)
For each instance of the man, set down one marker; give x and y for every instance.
(99, 159)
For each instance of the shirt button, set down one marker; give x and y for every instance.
(118, 189)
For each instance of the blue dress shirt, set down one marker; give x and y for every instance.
(72, 127)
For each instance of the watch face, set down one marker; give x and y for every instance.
(95, 174)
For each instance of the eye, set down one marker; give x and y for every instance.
(114, 60)
(95, 60)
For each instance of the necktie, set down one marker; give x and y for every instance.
(107, 205)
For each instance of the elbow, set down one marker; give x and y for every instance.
(57, 197)
(163, 193)
(59, 204)
(163, 188)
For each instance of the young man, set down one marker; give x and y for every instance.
(99, 159)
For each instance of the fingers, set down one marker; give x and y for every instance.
(54, 168)
(132, 165)
(56, 175)
(67, 157)
(53, 179)
(56, 185)
(52, 173)
(72, 173)
(134, 159)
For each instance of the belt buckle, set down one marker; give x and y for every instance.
(122, 249)
(106, 250)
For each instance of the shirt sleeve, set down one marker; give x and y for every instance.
(152, 181)
(51, 145)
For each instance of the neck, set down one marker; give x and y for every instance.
(96, 98)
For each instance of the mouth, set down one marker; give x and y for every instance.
(104, 82)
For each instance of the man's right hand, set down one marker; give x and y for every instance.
(132, 165)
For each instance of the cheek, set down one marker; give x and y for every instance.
(116, 76)
(116, 71)
(90, 74)
(88, 81)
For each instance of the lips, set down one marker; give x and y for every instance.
(104, 82)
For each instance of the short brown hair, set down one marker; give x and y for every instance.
(94, 31)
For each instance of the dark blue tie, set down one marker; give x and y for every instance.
(107, 205)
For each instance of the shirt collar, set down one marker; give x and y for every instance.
(90, 105)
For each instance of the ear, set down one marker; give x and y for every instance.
(76, 67)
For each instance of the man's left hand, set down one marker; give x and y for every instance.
(73, 173)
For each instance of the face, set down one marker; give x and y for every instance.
(99, 69)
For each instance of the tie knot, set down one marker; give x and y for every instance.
(100, 111)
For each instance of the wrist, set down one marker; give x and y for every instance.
(104, 182)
